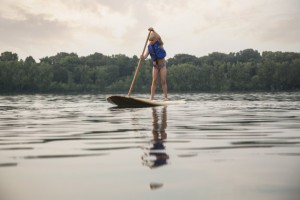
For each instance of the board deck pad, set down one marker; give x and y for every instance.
(133, 102)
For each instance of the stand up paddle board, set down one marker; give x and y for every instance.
(133, 102)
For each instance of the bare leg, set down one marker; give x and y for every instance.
(154, 82)
(163, 78)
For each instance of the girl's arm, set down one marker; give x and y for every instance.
(145, 55)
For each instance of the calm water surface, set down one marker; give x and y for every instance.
(215, 146)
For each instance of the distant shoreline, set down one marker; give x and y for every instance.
(66, 73)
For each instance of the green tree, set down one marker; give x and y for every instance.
(248, 55)
(245, 70)
(8, 56)
(30, 60)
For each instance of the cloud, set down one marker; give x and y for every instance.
(57, 26)
(41, 28)
(234, 25)
(33, 33)
(14, 31)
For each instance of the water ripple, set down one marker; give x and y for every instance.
(256, 133)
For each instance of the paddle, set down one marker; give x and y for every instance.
(138, 66)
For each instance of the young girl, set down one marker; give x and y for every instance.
(157, 53)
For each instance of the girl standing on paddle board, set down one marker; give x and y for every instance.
(158, 54)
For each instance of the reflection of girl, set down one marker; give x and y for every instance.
(159, 135)
(157, 53)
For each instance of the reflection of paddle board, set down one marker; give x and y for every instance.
(132, 102)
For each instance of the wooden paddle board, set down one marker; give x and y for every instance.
(133, 102)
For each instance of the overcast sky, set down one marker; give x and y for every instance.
(197, 27)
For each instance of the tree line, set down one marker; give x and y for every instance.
(246, 70)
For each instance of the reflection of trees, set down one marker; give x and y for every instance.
(156, 155)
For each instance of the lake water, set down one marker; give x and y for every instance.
(215, 146)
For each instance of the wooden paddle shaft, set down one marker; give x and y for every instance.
(138, 66)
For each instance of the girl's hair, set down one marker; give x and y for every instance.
(153, 36)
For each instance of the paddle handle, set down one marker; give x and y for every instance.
(138, 66)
